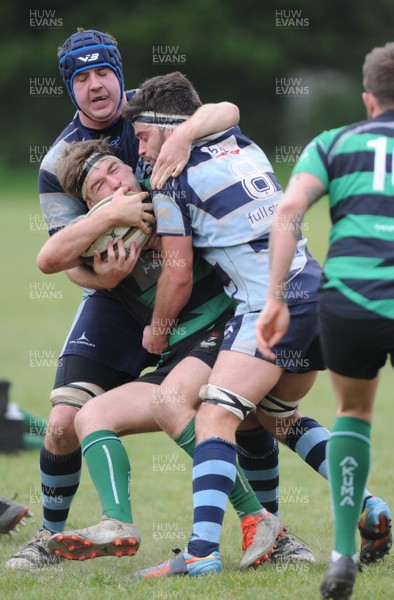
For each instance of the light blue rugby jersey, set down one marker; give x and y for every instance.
(226, 198)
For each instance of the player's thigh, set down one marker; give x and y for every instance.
(248, 377)
(183, 383)
(245, 375)
(292, 387)
(240, 367)
(181, 373)
(355, 397)
(124, 410)
(177, 398)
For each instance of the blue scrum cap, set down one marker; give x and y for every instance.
(88, 49)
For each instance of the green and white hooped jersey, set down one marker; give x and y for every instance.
(356, 166)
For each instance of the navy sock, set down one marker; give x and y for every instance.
(60, 477)
(309, 439)
(258, 455)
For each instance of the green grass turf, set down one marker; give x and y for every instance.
(32, 332)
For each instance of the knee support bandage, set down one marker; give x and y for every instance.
(239, 406)
(273, 407)
(75, 394)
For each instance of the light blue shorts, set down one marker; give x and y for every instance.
(297, 352)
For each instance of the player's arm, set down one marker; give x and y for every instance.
(303, 190)
(84, 277)
(106, 274)
(175, 152)
(173, 291)
(63, 249)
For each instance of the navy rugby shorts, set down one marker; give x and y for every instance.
(356, 347)
(105, 332)
(73, 368)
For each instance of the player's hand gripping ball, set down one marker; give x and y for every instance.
(128, 234)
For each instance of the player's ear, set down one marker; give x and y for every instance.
(369, 103)
(89, 203)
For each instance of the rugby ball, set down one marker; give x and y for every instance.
(128, 234)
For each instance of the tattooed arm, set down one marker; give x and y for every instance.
(303, 190)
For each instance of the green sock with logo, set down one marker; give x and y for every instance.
(348, 454)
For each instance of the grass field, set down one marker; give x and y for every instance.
(36, 314)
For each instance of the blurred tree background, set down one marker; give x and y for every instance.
(293, 67)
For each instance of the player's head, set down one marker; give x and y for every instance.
(86, 51)
(378, 76)
(89, 170)
(161, 104)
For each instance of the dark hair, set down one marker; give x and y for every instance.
(167, 94)
(378, 73)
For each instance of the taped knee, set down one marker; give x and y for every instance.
(273, 407)
(75, 394)
(239, 406)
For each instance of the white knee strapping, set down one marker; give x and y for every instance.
(239, 406)
(273, 407)
(75, 394)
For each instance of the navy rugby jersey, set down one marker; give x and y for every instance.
(226, 198)
(355, 163)
(58, 208)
